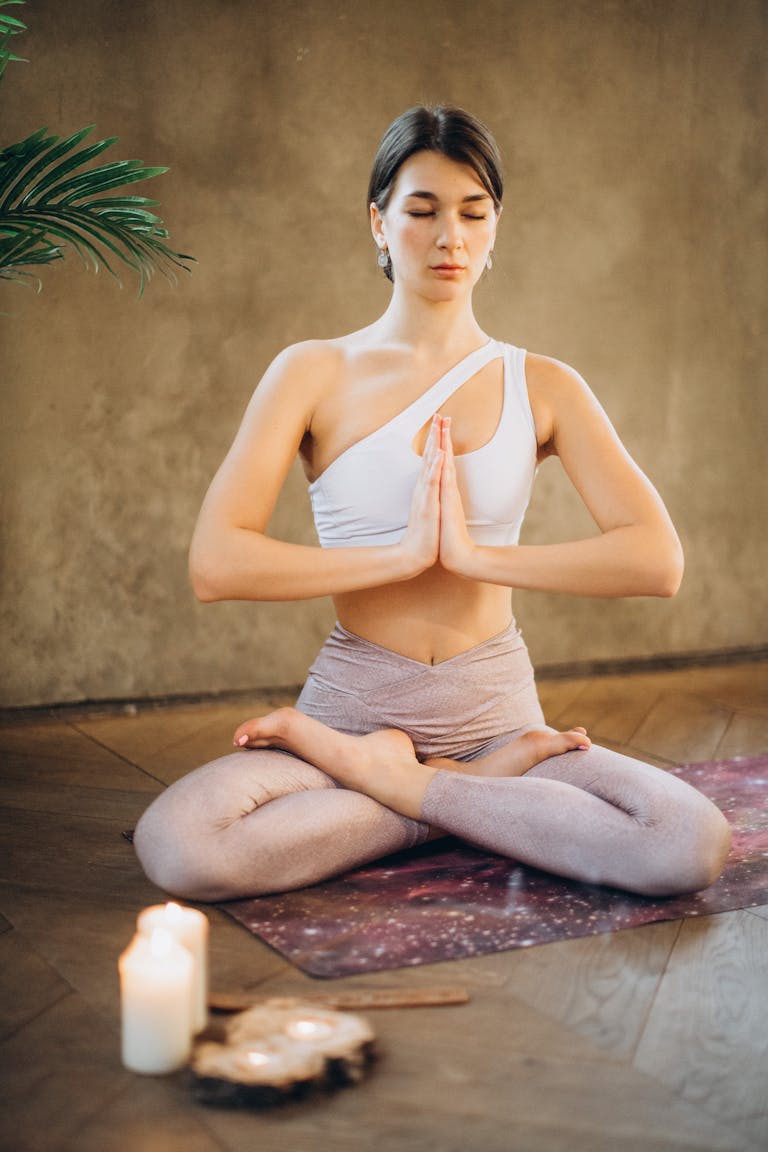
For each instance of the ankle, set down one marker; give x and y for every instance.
(280, 721)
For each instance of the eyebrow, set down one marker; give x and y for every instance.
(465, 199)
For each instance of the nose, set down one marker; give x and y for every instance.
(450, 234)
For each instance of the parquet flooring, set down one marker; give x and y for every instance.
(655, 1038)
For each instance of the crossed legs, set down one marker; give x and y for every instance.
(584, 812)
(263, 821)
(257, 822)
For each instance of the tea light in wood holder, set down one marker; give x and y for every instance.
(258, 1074)
(278, 1051)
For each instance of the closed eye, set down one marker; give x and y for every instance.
(466, 215)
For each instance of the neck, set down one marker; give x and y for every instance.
(429, 326)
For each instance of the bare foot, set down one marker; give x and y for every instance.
(382, 764)
(520, 755)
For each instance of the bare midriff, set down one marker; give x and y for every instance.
(431, 618)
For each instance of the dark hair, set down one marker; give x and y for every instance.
(452, 132)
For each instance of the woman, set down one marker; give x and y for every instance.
(420, 436)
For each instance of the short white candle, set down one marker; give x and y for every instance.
(190, 929)
(156, 1004)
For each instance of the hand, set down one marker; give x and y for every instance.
(421, 540)
(456, 545)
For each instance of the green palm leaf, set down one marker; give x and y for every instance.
(9, 26)
(51, 153)
(46, 191)
(19, 250)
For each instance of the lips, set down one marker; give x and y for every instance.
(448, 267)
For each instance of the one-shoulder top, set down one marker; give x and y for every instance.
(364, 496)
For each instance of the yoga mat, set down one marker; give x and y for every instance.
(445, 900)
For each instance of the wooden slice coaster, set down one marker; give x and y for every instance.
(279, 1051)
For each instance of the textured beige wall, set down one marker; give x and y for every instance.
(632, 246)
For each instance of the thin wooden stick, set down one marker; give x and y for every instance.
(353, 998)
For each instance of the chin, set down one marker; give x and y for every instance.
(448, 289)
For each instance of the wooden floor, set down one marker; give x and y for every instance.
(654, 1038)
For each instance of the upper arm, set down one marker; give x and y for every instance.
(572, 424)
(245, 489)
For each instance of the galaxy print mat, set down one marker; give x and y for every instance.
(445, 900)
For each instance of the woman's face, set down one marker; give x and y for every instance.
(439, 226)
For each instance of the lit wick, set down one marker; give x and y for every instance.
(308, 1029)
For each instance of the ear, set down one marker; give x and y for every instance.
(497, 214)
(377, 225)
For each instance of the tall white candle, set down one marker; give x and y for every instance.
(156, 1004)
(190, 929)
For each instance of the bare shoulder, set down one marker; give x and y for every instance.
(548, 377)
(556, 392)
(306, 368)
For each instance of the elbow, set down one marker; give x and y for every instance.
(204, 589)
(212, 564)
(669, 587)
(205, 581)
(666, 574)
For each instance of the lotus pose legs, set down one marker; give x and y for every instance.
(384, 764)
(589, 814)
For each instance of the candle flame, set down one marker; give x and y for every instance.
(308, 1029)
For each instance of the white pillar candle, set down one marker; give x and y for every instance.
(156, 1004)
(190, 929)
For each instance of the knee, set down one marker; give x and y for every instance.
(700, 850)
(171, 857)
(189, 853)
(161, 857)
(713, 843)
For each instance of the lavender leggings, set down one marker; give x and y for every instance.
(264, 821)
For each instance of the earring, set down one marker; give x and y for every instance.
(383, 258)
(489, 261)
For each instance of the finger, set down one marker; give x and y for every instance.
(446, 443)
(429, 448)
(434, 475)
(448, 477)
(433, 443)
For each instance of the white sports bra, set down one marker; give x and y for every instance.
(364, 496)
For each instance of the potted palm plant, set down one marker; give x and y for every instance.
(52, 198)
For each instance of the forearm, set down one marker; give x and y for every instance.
(240, 564)
(626, 561)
